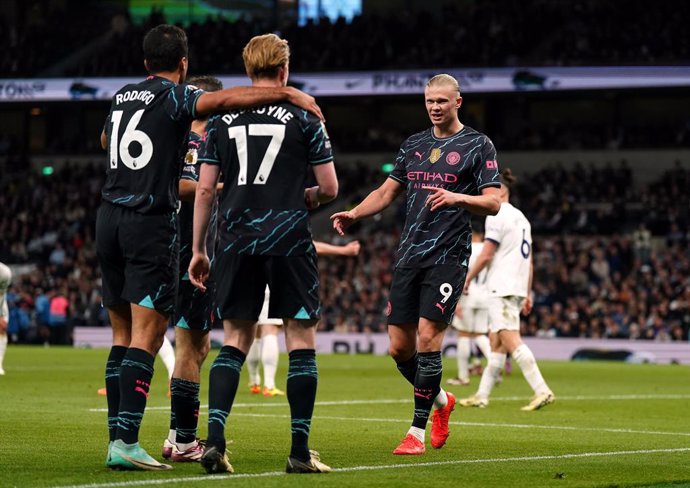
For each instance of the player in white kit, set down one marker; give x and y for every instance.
(5, 279)
(507, 253)
(472, 318)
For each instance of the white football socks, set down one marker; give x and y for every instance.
(525, 359)
(269, 358)
(441, 399)
(167, 354)
(3, 348)
(253, 359)
(484, 345)
(420, 434)
(464, 350)
(497, 361)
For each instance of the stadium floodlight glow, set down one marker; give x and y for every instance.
(387, 167)
(47, 170)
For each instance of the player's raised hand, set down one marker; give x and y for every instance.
(440, 198)
(352, 248)
(342, 220)
(302, 100)
(199, 268)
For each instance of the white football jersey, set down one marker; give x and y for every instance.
(476, 292)
(508, 273)
(5, 278)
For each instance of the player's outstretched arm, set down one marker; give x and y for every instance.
(374, 203)
(326, 249)
(187, 189)
(249, 96)
(484, 258)
(485, 204)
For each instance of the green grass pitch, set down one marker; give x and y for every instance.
(613, 425)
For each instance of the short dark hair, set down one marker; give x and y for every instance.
(206, 83)
(508, 178)
(164, 47)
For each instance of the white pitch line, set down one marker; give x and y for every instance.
(390, 401)
(483, 424)
(164, 481)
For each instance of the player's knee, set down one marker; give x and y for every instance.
(429, 341)
(401, 352)
(524, 357)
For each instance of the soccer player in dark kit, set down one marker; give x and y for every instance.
(265, 239)
(194, 311)
(136, 230)
(448, 171)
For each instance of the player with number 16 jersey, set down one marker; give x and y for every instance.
(146, 132)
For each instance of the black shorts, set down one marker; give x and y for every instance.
(241, 281)
(195, 309)
(138, 255)
(432, 293)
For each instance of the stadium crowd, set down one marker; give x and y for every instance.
(608, 263)
(586, 32)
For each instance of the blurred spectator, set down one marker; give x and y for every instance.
(59, 318)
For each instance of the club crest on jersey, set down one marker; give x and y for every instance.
(191, 156)
(435, 155)
(453, 158)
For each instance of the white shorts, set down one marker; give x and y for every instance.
(263, 315)
(474, 321)
(504, 313)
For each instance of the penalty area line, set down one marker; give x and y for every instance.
(554, 457)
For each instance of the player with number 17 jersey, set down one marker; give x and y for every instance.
(146, 133)
(265, 154)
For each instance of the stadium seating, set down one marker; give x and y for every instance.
(598, 273)
(588, 32)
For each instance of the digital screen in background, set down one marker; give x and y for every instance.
(314, 9)
(184, 11)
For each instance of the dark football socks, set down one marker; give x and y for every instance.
(223, 382)
(427, 385)
(112, 386)
(185, 409)
(136, 372)
(409, 368)
(302, 380)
